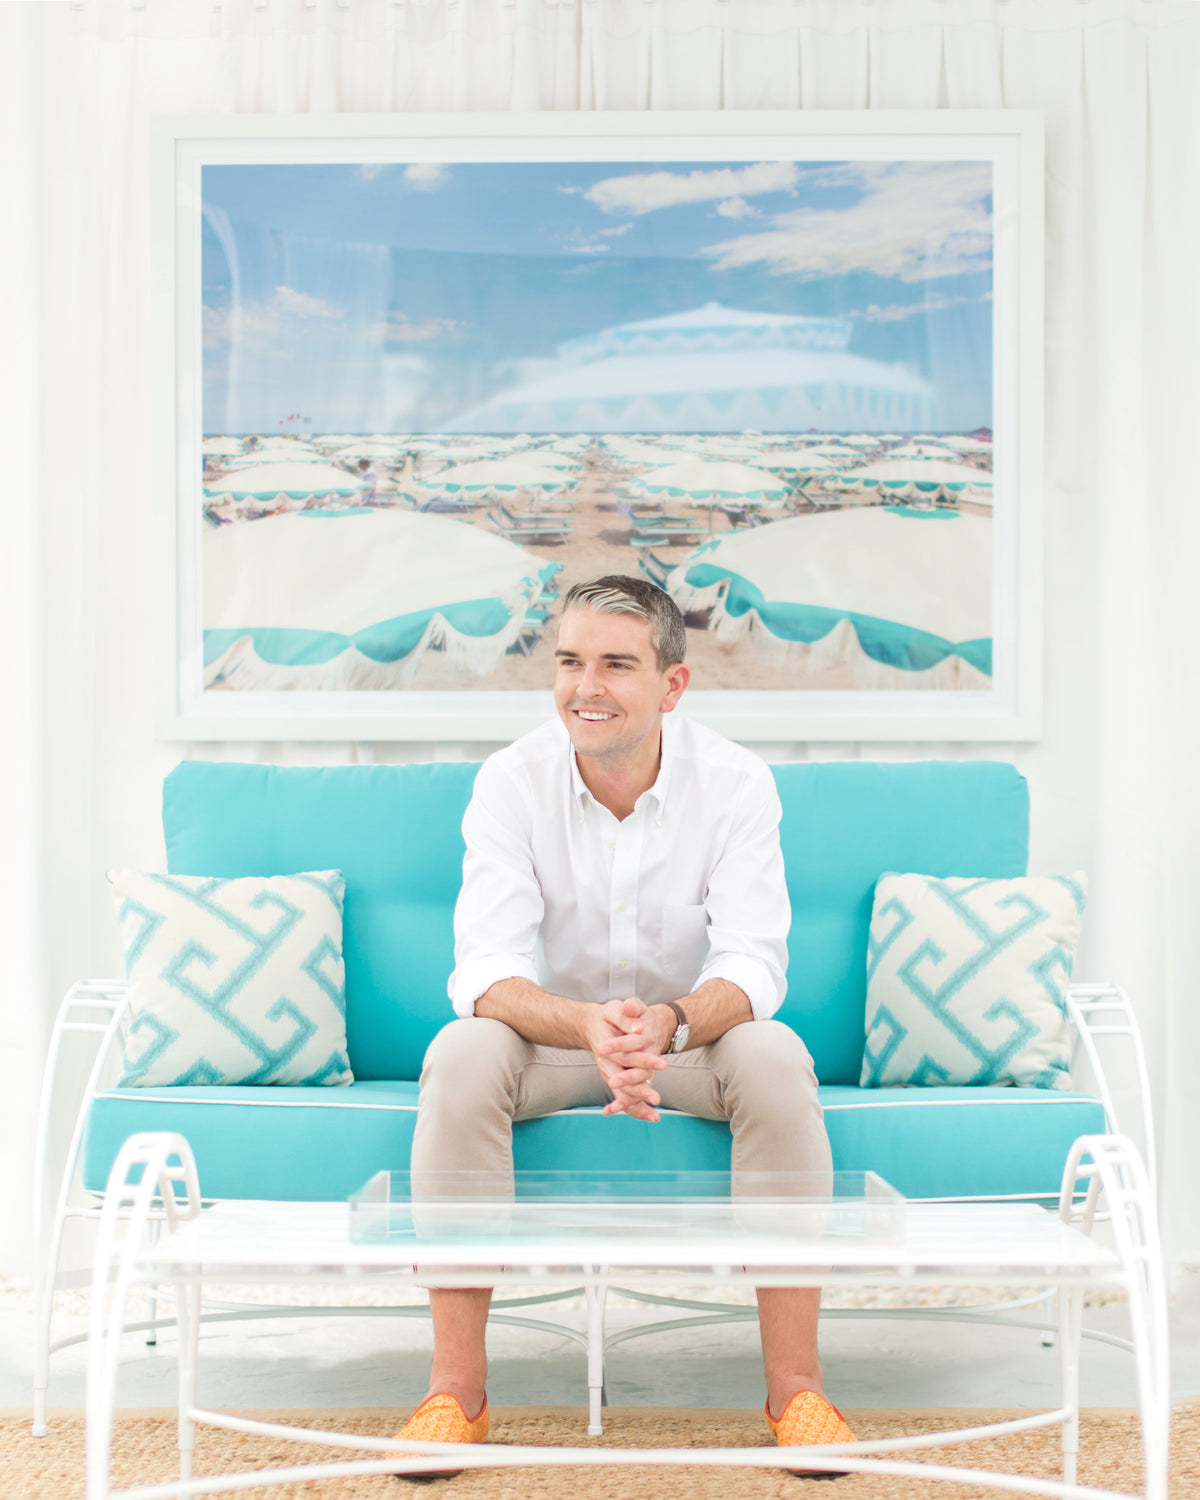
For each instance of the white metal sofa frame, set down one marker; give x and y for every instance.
(98, 1009)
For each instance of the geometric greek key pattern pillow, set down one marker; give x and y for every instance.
(233, 981)
(966, 980)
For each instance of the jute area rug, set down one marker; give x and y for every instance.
(144, 1452)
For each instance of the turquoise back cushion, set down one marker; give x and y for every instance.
(395, 832)
(846, 823)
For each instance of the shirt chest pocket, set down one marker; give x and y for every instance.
(684, 940)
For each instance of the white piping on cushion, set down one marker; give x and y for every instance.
(148, 1096)
(965, 1103)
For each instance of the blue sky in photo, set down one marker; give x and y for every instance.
(394, 297)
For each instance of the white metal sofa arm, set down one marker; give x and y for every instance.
(96, 1008)
(1105, 1011)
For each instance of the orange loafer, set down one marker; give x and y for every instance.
(440, 1419)
(808, 1418)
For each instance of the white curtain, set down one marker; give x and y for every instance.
(1113, 787)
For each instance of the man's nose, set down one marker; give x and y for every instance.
(590, 685)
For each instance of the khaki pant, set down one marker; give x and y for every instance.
(480, 1075)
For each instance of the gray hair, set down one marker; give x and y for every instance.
(619, 594)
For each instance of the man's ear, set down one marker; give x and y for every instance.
(678, 678)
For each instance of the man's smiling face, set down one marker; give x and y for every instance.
(609, 689)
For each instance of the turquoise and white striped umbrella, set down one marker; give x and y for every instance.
(804, 464)
(644, 454)
(920, 479)
(275, 481)
(915, 589)
(354, 598)
(711, 482)
(500, 479)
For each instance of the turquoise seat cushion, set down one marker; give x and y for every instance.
(284, 1142)
(395, 833)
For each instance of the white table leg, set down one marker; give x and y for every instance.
(187, 1300)
(152, 1291)
(596, 1298)
(1070, 1335)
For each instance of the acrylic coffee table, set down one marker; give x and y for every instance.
(639, 1232)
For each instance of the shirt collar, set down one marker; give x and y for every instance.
(658, 791)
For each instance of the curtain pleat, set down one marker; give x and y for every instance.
(1115, 79)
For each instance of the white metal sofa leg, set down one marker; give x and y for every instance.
(1117, 1172)
(97, 1008)
(143, 1184)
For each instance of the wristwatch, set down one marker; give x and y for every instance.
(678, 1039)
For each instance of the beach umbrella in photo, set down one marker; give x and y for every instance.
(221, 447)
(354, 598)
(920, 479)
(926, 448)
(565, 463)
(275, 457)
(284, 445)
(913, 590)
(647, 454)
(499, 479)
(710, 482)
(804, 464)
(274, 481)
(966, 444)
(378, 450)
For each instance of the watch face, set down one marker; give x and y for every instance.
(680, 1039)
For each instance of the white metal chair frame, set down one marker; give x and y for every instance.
(98, 1008)
(154, 1180)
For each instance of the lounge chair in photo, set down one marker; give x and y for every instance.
(653, 567)
(653, 530)
(531, 527)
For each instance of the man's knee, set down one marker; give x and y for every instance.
(767, 1066)
(767, 1048)
(472, 1056)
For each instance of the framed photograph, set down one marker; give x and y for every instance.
(420, 374)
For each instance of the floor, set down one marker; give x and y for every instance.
(356, 1362)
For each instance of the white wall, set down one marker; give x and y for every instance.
(1110, 780)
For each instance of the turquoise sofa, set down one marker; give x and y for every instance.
(395, 833)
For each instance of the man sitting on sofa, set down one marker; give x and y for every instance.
(620, 939)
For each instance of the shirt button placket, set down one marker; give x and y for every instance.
(623, 933)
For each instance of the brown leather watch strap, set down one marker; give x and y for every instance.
(678, 1009)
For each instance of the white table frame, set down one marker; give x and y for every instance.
(154, 1181)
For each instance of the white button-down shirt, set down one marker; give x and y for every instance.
(689, 887)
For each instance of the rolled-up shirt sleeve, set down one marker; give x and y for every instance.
(749, 914)
(500, 907)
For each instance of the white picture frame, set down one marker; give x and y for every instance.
(1008, 710)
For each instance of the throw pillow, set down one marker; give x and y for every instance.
(966, 980)
(233, 981)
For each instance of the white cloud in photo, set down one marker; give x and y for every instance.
(261, 325)
(737, 208)
(368, 171)
(579, 243)
(425, 175)
(303, 305)
(642, 192)
(898, 312)
(915, 221)
(401, 329)
(616, 230)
